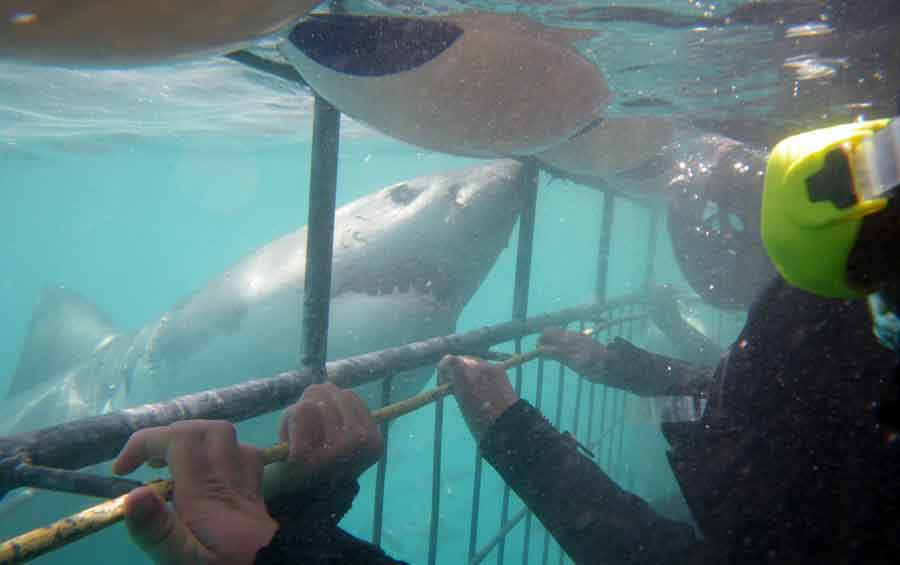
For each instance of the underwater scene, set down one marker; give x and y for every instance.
(639, 254)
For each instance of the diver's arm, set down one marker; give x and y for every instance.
(621, 365)
(648, 374)
(593, 519)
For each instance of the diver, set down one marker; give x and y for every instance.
(791, 460)
(788, 462)
(833, 191)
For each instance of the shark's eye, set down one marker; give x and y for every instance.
(403, 194)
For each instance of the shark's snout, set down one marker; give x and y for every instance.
(496, 184)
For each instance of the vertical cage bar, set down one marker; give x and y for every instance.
(649, 266)
(526, 540)
(598, 454)
(644, 321)
(489, 546)
(476, 503)
(609, 200)
(623, 465)
(610, 432)
(526, 242)
(578, 388)
(620, 457)
(592, 401)
(378, 516)
(719, 327)
(560, 393)
(600, 441)
(436, 481)
(320, 239)
(614, 423)
(520, 302)
(629, 327)
(538, 394)
(504, 505)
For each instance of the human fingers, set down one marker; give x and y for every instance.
(193, 449)
(360, 441)
(152, 445)
(158, 531)
(330, 411)
(252, 465)
(451, 369)
(557, 342)
(331, 433)
(482, 390)
(552, 338)
(467, 372)
(149, 444)
(203, 449)
(302, 428)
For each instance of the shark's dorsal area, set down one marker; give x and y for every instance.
(65, 330)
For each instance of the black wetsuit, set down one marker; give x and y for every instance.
(308, 533)
(787, 465)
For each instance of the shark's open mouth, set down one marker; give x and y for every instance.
(434, 281)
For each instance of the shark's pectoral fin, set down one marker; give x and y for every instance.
(190, 328)
(65, 330)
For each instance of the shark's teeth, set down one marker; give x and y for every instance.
(424, 288)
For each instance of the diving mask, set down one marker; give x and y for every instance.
(876, 169)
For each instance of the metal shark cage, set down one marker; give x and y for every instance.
(49, 458)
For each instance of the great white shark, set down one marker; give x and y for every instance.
(407, 259)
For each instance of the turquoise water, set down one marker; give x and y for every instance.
(138, 227)
(137, 187)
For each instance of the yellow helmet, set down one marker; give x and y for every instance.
(817, 191)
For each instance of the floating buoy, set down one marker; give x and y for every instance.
(476, 84)
(116, 33)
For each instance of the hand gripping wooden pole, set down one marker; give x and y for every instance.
(35, 543)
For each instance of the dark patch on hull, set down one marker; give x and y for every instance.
(372, 46)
